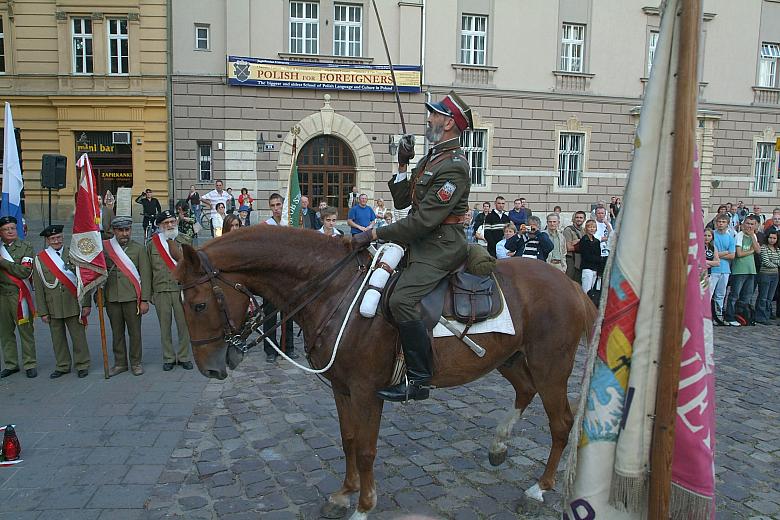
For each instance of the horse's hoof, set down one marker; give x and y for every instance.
(331, 510)
(535, 492)
(497, 458)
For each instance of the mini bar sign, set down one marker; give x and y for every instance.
(329, 76)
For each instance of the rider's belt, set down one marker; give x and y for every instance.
(455, 219)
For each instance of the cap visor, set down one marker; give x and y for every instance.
(438, 108)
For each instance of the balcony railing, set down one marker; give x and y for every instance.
(766, 95)
(572, 81)
(473, 75)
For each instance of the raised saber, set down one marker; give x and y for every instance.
(392, 71)
(447, 324)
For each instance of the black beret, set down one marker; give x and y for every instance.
(54, 229)
(164, 215)
(7, 220)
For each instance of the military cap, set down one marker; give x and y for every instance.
(163, 215)
(453, 106)
(121, 222)
(54, 229)
(7, 220)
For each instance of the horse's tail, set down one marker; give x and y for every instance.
(590, 313)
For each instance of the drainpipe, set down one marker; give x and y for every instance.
(422, 43)
(169, 96)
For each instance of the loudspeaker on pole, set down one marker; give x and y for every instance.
(53, 171)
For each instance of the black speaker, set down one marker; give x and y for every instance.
(53, 170)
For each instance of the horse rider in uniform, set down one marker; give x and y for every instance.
(127, 292)
(57, 304)
(167, 291)
(17, 309)
(438, 192)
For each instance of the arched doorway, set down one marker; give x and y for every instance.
(326, 171)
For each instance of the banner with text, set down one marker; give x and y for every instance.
(260, 72)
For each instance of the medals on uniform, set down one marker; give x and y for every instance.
(25, 309)
(164, 250)
(124, 264)
(57, 267)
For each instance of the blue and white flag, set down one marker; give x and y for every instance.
(12, 174)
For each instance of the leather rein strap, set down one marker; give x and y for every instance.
(235, 337)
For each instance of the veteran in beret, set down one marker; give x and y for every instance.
(17, 305)
(437, 189)
(128, 290)
(58, 306)
(162, 249)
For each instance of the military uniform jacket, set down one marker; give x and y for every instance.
(19, 250)
(118, 287)
(162, 278)
(438, 187)
(57, 302)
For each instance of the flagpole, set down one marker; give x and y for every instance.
(676, 262)
(102, 331)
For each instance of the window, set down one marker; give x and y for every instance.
(651, 45)
(204, 162)
(572, 47)
(767, 75)
(118, 52)
(202, 37)
(347, 30)
(765, 161)
(474, 144)
(2, 48)
(82, 46)
(473, 35)
(570, 158)
(304, 27)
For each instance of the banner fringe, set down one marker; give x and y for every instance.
(628, 493)
(687, 505)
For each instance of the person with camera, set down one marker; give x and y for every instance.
(151, 207)
(537, 244)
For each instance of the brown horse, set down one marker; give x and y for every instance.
(550, 315)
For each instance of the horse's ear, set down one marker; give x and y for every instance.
(189, 255)
(175, 253)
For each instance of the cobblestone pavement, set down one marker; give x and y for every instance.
(264, 444)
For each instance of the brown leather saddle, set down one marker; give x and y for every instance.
(460, 296)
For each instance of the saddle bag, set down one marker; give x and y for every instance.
(472, 297)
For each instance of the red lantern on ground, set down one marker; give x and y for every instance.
(11, 447)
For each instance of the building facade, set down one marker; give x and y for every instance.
(555, 87)
(87, 76)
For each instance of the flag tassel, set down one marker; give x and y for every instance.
(687, 505)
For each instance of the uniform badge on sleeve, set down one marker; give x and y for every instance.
(445, 192)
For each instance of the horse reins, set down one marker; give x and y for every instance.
(235, 337)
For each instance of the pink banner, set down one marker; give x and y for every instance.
(693, 475)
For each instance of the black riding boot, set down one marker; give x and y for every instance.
(419, 359)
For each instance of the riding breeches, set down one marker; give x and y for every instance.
(415, 282)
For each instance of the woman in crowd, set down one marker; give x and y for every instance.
(245, 199)
(592, 263)
(380, 209)
(767, 276)
(218, 219)
(193, 200)
(186, 220)
(230, 223)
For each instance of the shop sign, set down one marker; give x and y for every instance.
(260, 72)
(116, 175)
(100, 143)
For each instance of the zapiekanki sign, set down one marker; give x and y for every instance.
(258, 72)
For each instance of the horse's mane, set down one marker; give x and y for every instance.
(288, 249)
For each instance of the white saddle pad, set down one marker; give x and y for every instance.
(501, 324)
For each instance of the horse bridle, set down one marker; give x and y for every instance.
(235, 337)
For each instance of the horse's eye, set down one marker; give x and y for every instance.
(200, 307)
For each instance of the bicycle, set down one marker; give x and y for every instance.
(149, 229)
(205, 221)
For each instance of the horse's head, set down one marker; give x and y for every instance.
(215, 309)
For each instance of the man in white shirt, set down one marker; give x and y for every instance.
(214, 197)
